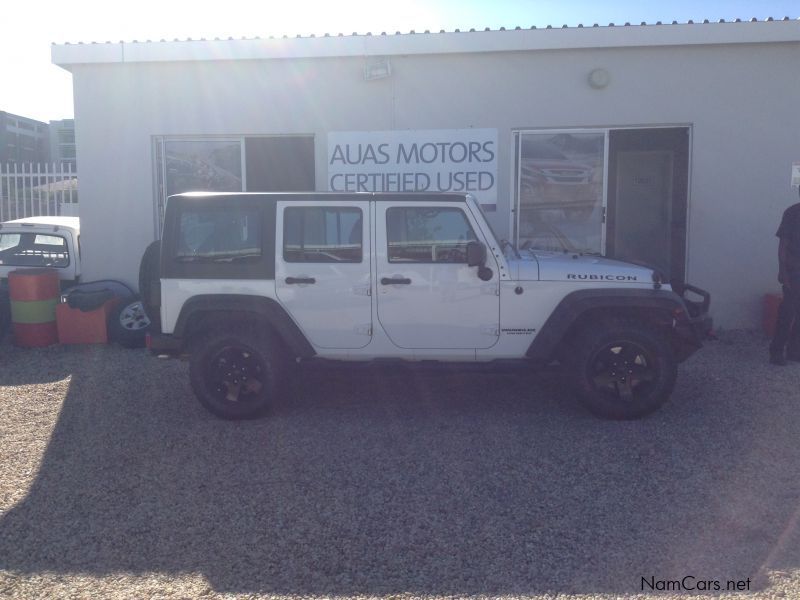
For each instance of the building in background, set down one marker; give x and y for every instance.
(23, 140)
(665, 144)
(62, 142)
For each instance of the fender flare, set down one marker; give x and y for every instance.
(260, 306)
(575, 304)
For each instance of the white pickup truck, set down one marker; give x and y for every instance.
(248, 284)
(54, 243)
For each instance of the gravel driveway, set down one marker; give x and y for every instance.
(403, 483)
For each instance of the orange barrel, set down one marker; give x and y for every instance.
(771, 304)
(34, 295)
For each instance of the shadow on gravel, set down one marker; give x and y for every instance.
(382, 482)
(25, 366)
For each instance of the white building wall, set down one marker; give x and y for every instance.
(741, 102)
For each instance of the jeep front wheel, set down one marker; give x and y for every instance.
(622, 369)
(234, 372)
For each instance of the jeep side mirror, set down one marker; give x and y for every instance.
(476, 254)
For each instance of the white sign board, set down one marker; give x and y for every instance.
(796, 175)
(425, 160)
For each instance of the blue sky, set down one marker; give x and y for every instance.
(43, 91)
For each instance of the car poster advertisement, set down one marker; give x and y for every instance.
(429, 160)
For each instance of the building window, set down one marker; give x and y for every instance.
(322, 235)
(560, 186)
(428, 235)
(231, 164)
(203, 165)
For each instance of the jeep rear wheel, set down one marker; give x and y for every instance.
(622, 369)
(235, 372)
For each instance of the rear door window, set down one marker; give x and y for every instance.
(317, 234)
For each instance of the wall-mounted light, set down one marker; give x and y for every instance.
(599, 78)
(377, 68)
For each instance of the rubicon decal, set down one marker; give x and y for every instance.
(594, 277)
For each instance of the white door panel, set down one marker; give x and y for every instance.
(329, 298)
(433, 304)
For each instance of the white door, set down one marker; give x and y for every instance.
(427, 295)
(322, 270)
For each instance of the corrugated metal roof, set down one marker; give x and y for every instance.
(413, 32)
(427, 42)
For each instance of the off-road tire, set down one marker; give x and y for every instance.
(149, 275)
(227, 360)
(621, 369)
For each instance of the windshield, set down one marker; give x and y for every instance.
(545, 236)
(486, 220)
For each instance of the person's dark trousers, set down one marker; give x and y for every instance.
(787, 327)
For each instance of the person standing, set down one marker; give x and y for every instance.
(786, 341)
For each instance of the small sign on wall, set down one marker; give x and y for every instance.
(428, 160)
(796, 175)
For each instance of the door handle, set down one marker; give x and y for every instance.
(291, 280)
(395, 281)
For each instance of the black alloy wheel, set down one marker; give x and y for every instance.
(621, 369)
(236, 370)
(235, 374)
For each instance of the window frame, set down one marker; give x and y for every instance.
(287, 209)
(34, 234)
(247, 211)
(461, 210)
(262, 267)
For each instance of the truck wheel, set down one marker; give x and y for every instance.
(128, 322)
(235, 371)
(622, 369)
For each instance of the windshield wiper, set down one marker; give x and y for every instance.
(215, 259)
(234, 257)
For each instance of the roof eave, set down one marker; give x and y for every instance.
(67, 55)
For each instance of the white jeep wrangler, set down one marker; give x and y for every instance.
(249, 284)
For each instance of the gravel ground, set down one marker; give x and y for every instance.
(393, 483)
